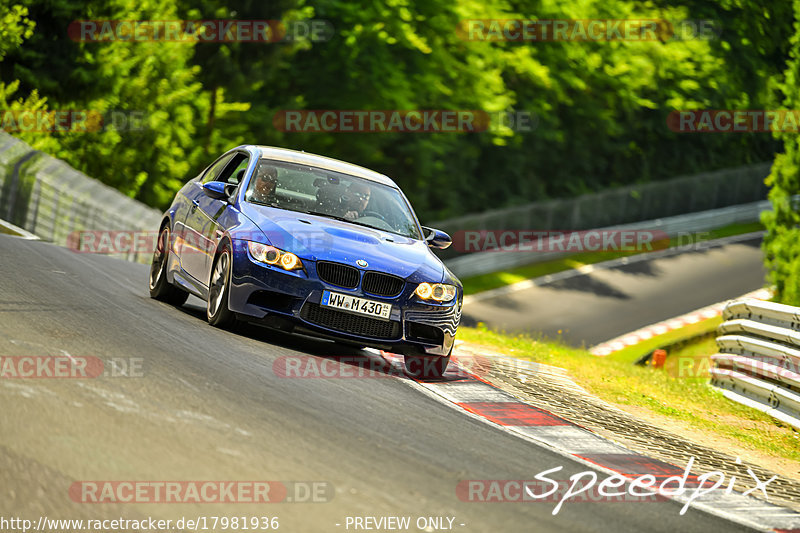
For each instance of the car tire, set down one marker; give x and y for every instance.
(160, 288)
(217, 311)
(426, 367)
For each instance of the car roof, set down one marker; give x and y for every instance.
(305, 158)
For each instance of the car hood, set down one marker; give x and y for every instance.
(318, 238)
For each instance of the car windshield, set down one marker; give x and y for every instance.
(317, 191)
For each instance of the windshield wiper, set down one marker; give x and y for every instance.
(337, 217)
(268, 204)
(328, 215)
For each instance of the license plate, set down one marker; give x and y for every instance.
(353, 304)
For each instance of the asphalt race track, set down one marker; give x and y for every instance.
(207, 405)
(598, 306)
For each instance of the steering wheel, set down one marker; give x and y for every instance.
(374, 214)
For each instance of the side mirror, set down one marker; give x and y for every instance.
(437, 238)
(216, 189)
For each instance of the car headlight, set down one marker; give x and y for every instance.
(440, 292)
(270, 255)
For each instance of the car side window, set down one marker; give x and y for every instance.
(216, 168)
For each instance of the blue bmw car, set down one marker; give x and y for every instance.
(312, 245)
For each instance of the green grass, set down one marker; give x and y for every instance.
(495, 280)
(692, 359)
(699, 348)
(684, 397)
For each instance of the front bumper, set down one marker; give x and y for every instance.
(291, 301)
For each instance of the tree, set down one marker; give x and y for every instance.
(148, 94)
(782, 241)
(600, 107)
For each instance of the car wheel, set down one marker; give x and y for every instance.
(217, 310)
(426, 367)
(160, 288)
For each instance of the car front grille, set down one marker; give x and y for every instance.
(350, 323)
(338, 274)
(382, 284)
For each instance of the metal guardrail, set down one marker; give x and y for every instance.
(478, 263)
(758, 363)
(622, 205)
(52, 200)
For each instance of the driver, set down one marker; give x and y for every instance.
(262, 189)
(355, 200)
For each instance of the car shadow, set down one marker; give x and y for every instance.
(589, 283)
(640, 268)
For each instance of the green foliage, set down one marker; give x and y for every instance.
(148, 93)
(782, 242)
(15, 27)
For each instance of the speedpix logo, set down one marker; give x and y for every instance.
(588, 487)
